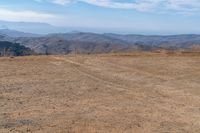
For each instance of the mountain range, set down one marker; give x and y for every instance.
(84, 42)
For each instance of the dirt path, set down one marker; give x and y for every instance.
(82, 68)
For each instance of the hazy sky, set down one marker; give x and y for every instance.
(125, 16)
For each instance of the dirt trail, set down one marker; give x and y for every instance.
(163, 77)
(82, 68)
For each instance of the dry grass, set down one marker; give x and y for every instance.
(134, 92)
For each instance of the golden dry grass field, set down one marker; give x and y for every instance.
(113, 93)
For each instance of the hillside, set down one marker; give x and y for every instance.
(13, 49)
(103, 43)
(82, 42)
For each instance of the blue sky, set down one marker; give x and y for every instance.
(119, 16)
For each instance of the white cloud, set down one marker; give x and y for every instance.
(60, 2)
(177, 6)
(142, 5)
(28, 16)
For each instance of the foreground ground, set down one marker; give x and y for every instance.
(100, 93)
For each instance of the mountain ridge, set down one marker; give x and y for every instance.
(87, 42)
(14, 33)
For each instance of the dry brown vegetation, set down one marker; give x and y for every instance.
(140, 92)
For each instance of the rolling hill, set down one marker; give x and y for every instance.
(83, 42)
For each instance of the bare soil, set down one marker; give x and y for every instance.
(139, 93)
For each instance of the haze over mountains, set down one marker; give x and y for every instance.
(32, 27)
(14, 33)
(85, 42)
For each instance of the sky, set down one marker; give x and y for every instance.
(117, 16)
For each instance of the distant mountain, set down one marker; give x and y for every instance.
(87, 37)
(59, 45)
(14, 33)
(82, 42)
(31, 27)
(14, 49)
(103, 43)
(174, 41)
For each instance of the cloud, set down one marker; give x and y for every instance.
(28, 16)
(142, 5)
(60, 2)
(177, 6)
